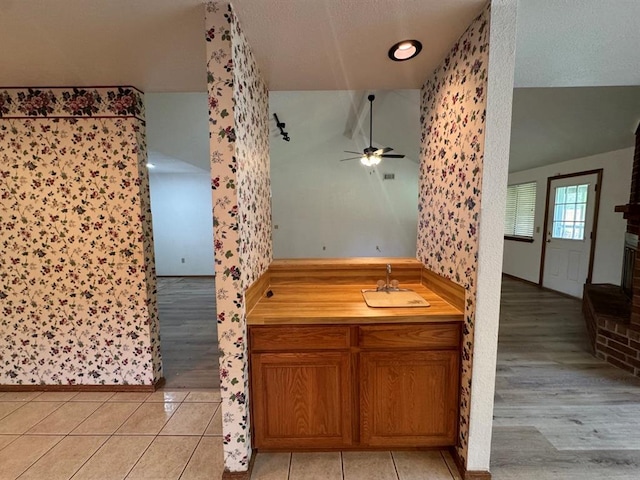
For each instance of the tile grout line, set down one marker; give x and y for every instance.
(290, 463)
(190, 457)
(43, 419)
(90, 456)
(107, 437)
(140, 458)
(92, 435)
(151, 442)
(395, 467)
(447, 465)
(38, 459)
(68, 435)
(17, 437)
(209, 422)
(342, 464)
(54, 411)
(5, 416)
(118, 427)
(154, 439)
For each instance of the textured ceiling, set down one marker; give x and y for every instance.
(155, 45)
(551, 125)
(158, 46)
(569, 43)
(343, 44)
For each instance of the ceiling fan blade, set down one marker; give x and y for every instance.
(380, 151)
(355, 153)
(352, 158)
(391, 155)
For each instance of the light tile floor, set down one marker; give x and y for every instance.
(108, 436)
(409, 465)
(165, 435)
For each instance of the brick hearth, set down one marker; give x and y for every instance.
(613, 319)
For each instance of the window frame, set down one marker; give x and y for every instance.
(521, 238)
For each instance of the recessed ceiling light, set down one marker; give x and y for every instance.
(405, 50)
(150, 165)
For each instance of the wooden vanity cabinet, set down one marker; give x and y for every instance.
(341, 386)
(301, 384)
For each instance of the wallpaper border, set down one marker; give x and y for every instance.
(72, 102)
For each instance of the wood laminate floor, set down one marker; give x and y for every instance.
(560, 413)
(188, 332)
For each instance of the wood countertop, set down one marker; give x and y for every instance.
(297, 304)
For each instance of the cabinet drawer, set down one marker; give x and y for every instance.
(296, 338)
(410, 336)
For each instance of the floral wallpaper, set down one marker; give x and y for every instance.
(252, 152)
(72, 102)
(239, 132)
(453, 102)
(77, 286)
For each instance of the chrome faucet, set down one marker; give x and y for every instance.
(388, 285)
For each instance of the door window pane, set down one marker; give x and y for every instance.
(569, 212)
(582, 193)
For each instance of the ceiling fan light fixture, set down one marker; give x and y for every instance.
(370, 160)
(405, 50)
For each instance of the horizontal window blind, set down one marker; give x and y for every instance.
(521, 206)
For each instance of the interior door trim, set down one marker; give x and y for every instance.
(594, 231)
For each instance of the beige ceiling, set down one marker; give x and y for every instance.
(570, 43)
(343, 44)
(552, 125)
(155, 45)
(158, 46)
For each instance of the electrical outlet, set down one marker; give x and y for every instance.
(182, 260)
(324, 248)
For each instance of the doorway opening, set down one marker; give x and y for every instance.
(181, 207)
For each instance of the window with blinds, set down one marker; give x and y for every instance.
(521, 206)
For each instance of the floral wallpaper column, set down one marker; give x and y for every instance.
(239, 131)
(77, 281)
(453, 103)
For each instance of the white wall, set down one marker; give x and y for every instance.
(522, 260)
(323, 207)
(182, 223)
(502, 40)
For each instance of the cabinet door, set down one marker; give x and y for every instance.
(301, 400)
(409, 399)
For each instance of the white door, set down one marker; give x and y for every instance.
(568, 233)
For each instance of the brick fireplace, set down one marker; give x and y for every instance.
(613, 312)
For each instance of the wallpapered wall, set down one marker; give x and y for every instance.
(239, 131)
(451, 155)
(77, 281)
